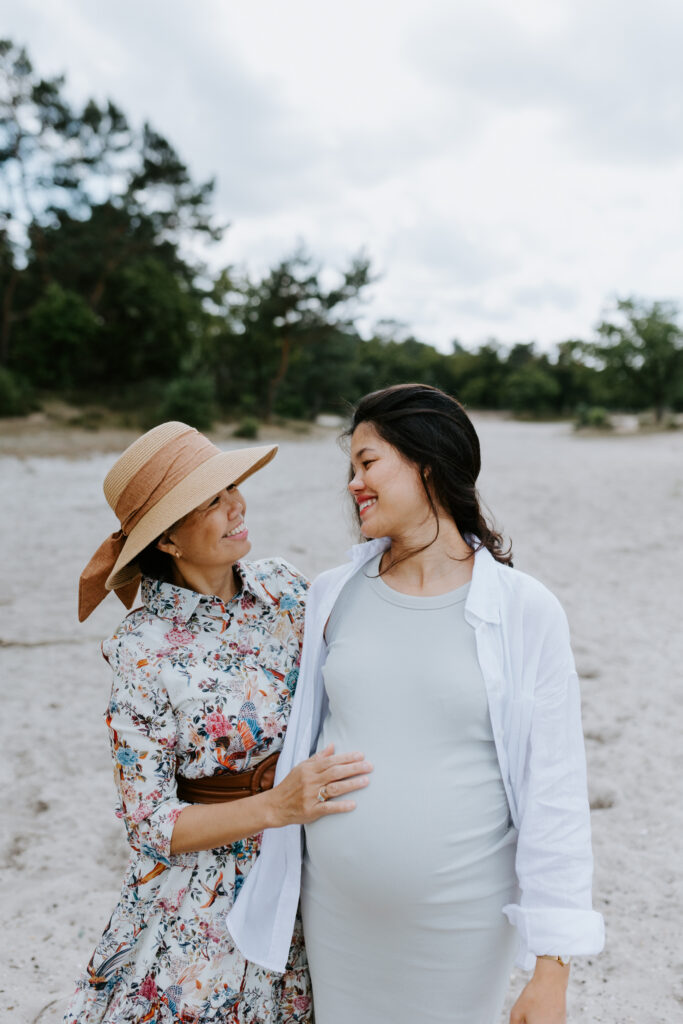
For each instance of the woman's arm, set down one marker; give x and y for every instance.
(143, 735)
(554, 862)
(293, 802)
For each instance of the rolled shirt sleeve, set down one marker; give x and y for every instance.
(554, 861)
(143, 736)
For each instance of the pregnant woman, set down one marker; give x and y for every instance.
(204, 673)
(453, 671)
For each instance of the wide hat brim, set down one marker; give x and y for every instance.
(202, 483)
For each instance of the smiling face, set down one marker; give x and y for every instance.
(212, 537)
(386, 488)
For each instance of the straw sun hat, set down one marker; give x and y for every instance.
(161, 477)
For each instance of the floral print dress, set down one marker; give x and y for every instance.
(200, 686)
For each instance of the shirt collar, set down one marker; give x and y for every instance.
(483, 598)
(180, 603)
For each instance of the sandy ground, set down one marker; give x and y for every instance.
(598, 520)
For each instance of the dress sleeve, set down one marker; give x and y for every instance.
(554, 863)
(143, 736)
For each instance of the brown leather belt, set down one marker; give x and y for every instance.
(215, 789)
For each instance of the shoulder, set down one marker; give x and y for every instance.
(328, 580)
(523, 587)
(277, 576)
(136, 636)
(522, 595)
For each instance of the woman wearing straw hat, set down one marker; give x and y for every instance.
(204, 674)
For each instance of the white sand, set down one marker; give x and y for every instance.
(598, 520)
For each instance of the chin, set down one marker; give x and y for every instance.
(241, 550)
(369, 531)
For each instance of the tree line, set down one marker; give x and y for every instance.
(104, 300)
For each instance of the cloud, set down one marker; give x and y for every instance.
(446, 253)
(610, 73)
(185, 74)
(548, 293)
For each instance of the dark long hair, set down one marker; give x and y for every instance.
(155, 563)
(432, 430)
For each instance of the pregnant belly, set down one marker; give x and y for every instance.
(420, 833)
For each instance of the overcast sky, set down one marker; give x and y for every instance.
(509, 168)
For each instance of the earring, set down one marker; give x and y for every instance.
(178, 554)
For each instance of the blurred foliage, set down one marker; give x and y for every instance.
(592, 417)
(641, 353)
(190, 399)
(103, 298)
(248, 428)
(95, 290)
(275, 338)
(17, 397)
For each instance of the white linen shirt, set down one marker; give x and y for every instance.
(523, 648)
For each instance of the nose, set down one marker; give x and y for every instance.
(234, 504)
(355, 484)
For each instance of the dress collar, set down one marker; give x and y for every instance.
(179, 604)
(483, 598)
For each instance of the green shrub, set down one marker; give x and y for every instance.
(248, 428)
(138, 403)
(61, 347)
(293, 407)
(16, 394)
(592, 417)
(190, 399)
(531, 390)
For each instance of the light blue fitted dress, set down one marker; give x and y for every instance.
(402, 897)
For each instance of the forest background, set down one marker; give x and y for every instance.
(107, 299)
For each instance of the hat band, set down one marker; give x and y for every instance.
(160, 474)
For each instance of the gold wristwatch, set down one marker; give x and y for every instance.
(564, 960)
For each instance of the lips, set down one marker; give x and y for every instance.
(237, 531)
(364, 504)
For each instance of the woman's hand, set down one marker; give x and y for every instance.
(295, 800)
(544, 999)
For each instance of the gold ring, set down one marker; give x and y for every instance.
(323, 795)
